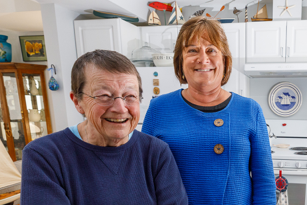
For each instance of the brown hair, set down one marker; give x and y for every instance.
(110, 61)
(201, 27)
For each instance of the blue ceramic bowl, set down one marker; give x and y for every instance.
(226, 20)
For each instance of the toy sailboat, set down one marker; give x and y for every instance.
(261, 15)
(153, 19)
(176, 16)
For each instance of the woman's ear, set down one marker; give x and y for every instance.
(76, 103)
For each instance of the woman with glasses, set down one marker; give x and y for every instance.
(102, 160)
(219, 139)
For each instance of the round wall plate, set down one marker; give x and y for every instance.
(285, 99)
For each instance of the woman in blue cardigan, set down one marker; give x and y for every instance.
(219, 139)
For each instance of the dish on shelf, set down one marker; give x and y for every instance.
(143, 63)
(226, 20)
(109, 15)
(163, 59)
(143, 56)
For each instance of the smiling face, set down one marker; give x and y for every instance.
(116, 121)
(203, 65)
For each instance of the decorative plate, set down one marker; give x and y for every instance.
(285, 99)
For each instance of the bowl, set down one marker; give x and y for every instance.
(226, 20)
(163, 59)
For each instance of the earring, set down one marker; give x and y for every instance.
(183, 77)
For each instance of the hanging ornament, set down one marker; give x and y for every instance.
(53, 84)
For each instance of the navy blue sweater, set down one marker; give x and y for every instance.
(61, 169)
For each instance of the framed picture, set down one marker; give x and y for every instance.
(33, 48)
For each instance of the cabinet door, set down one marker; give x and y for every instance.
(161, 38)
(235, 33)
(97, 34)
(244, 85)
(167, 82)
(265, 42)
(296, 41)
(12, 133)
(233, 84)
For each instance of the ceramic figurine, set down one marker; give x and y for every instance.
(34, 116)
(33, 89)
(5, 49)
(198, 13)
(53, 84)
(176, 16)
(153, 19)
(236, 12)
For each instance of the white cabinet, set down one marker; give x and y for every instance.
(296, 41)
(235, 34)
(276, 42)
(168, 82)
(107, 34)
(265, 41)
(160, 37)
(237, 83)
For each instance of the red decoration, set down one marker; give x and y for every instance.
(284, 124)
(281, 182)
(160, 6)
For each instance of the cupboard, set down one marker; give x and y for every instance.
(24, 113)
(276, 42)
(107, 34)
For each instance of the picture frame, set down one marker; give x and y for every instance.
(33, 48)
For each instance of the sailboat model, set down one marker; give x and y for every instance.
(176, 16)
(153, 19)
(261, 15)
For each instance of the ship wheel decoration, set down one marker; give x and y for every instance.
(286, 8)
(281, 182)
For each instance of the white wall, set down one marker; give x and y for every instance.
(260, 89)
(61, 52)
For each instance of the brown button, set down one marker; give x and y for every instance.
(218, 122)
(156, 90)
(218, 149)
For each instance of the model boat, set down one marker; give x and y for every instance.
(261, 15)
(176, 16)
(109, 15)
(153, 19)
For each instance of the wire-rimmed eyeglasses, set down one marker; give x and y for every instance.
(109, 100)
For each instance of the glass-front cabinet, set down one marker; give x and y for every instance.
(24, 113)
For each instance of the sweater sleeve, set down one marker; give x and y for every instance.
(40, 184)
(264, 190)
(168, 182)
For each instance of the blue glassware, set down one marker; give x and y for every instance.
(5, 49)
(53, 84)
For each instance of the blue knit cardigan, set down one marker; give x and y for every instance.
(242, 174)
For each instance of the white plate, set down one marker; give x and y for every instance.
(285, 99)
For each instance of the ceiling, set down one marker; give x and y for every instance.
(22, 21)
(24, 18)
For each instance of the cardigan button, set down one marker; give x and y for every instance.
(218, 149)
(218, 122)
